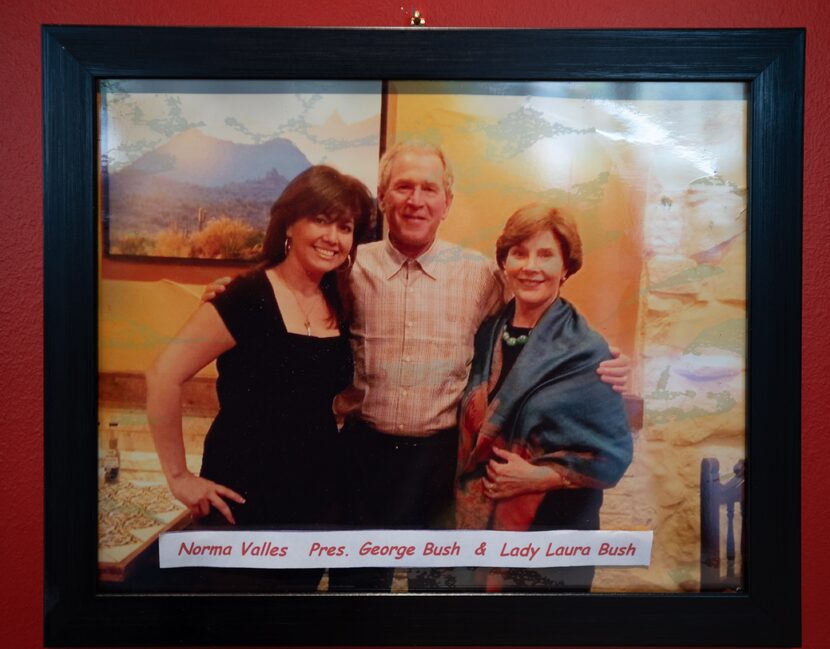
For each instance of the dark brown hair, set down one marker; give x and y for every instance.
(321, 190)
(536, 217)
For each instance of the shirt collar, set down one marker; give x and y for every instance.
(430, 260)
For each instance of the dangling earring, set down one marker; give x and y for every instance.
(286, 246)
(346, 264)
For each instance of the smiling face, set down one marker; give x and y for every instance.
(320, 243)
(415, 201)
(535, 269)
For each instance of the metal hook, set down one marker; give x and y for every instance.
(417, 19)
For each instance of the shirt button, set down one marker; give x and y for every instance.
(409, 324)
(407, 358)
(404, 392)
(400, 426)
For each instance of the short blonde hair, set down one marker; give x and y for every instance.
(413, 146)
(537, 217)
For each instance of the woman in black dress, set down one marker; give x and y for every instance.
(279, 337)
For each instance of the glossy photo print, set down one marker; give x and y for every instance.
(454, 306)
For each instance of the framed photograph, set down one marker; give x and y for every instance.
(678, 155)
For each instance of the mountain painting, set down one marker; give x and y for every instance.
(190, 169)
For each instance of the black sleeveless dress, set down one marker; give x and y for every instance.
(275, 439)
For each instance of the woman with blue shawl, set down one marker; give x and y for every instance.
(540, 434)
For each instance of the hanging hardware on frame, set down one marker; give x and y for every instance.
(417, 19)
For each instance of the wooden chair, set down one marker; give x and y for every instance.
(713, 495)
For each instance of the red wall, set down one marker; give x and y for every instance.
(21, 404)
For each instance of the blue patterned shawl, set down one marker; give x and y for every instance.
(551, 408)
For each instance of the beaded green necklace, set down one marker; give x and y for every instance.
(512, 341)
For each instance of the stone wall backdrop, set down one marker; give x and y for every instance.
(692, 348)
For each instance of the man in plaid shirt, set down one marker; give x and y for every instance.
(418, 304)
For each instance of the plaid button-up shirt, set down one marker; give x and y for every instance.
(412, 333)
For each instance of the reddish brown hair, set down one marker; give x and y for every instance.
(537, 217)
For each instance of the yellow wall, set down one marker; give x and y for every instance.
(497, 170)
(137, 319)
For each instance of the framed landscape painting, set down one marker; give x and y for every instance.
(189, 169)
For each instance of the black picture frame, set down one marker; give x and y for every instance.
(770, 61)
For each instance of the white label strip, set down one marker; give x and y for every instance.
(404, 548)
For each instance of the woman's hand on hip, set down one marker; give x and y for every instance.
(198, 494)
(511, 475)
